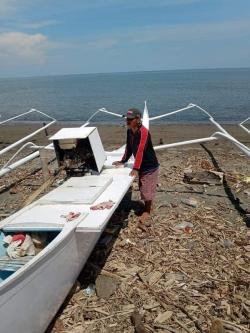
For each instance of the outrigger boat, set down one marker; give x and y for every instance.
(32, 288)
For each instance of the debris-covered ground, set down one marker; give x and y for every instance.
(188, 272)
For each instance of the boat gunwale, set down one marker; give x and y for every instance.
(56, 244)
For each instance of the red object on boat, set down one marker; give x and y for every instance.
(103, 205)
(18, 237)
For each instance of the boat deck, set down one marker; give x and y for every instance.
(77, 195)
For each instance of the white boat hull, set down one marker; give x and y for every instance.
(30, 298)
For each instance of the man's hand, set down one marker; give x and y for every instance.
(134, 173)
(117, 164)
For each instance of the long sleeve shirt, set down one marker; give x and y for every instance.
(140, 145)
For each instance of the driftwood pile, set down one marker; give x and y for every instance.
(189, 272)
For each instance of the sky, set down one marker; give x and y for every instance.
(53, 37)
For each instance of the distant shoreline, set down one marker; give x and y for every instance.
(125, 72)
(116, 123)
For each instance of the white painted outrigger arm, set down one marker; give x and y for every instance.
(9, 167)
(145, 120)
(104, 111)
(243, 127)
(221, 133)
(20, 162)
(17, 143)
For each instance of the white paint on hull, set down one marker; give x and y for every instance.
(30, 298)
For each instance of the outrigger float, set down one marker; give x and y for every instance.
(33, 287)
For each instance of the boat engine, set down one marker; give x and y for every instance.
(79, 150)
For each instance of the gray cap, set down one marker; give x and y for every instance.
(133, 113)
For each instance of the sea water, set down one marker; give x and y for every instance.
(225, 93)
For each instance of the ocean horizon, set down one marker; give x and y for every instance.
(224, 93)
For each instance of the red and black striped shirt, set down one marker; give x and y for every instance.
(140, 145)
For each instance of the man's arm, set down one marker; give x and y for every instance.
(128, 149)
(140, 151)
(127, 154)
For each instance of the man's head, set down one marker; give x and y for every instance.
(133, 117)
(133, 113)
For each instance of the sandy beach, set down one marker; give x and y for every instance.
(178, 281)
(168, 132)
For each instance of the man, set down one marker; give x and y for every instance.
(146, 166)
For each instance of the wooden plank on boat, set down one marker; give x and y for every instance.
(35, 194)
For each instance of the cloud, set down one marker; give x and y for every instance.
(38, 24)
(175, 33)
(19, 46)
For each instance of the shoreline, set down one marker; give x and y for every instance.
(125, 72)
(113, 135)
(116, 123)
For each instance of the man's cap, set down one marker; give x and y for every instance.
(133, 113)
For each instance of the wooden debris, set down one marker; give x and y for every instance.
(136, 319)
(217, 327)
(163, 317)
(105, 286)
(151, 305)
(204, 177)
(195, 277)
(40, 190)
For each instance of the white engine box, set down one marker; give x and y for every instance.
(77, 144)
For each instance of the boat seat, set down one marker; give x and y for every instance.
(12, 265)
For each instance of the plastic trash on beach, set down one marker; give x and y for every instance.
(247, 179)
(185, 226)
(190, 202)
(60, 182)
(90, 290)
